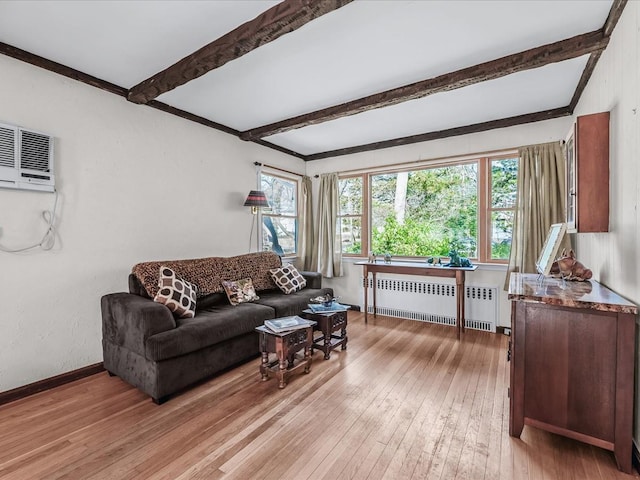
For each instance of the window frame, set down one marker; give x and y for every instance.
(265, 212)
(484, 195)
(488, 210)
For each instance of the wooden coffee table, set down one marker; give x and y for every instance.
(328, 323)
(285, 346)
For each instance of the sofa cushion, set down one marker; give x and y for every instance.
(211, 300)
(176, 294)
(292, 304)
(240, 291)
(209, 327)
(209, 273)
(288, 279)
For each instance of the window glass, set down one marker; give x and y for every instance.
(280, 221)
(501, 232)
(426, 212)
(504, 182)
(504, 187)
(350, 215)
(281, 193)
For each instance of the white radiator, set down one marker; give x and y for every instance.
(434, 302)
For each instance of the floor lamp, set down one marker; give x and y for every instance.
(256, 199)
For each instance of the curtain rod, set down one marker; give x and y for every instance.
(258, 164)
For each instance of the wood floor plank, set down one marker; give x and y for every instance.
(469, 444)
(376, 380)
(485, 406)
(405, 400)
(499, 453)
(379, 449)
(435, 448)
(406, 455)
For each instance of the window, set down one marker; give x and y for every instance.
(425, 212)
(467, 206)
(280, 222)
(350, 218)
(502, 206)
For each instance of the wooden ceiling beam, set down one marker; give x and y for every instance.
(450, 132)
(613, 17)
(534, 58)
(607, 29)
(60, 69)
(72, 73)
(283, 18)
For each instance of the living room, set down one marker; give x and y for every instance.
(137, 184)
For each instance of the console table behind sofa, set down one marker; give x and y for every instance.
(423, 269)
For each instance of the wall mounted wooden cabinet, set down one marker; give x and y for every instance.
(588, 174)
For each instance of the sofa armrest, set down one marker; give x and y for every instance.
(314, 279)
(128, 320)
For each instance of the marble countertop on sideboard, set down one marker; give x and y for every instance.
(588, 294)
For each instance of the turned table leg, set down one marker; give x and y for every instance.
(264, 366)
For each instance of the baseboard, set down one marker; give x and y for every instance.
(503, 330)
(354, 308)
(48, 383)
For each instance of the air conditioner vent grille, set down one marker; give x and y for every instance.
(7, 147)
(34, 153)
(26, 159)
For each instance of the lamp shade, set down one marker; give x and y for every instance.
(256, 198)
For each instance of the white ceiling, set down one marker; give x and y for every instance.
(362, 48)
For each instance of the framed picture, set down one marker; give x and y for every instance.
(550, 248)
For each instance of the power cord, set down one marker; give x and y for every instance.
(49, 237)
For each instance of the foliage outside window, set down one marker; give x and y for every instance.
(467, 206)
(504, 185)
(350, 218)
(426, 212)
(280, 221)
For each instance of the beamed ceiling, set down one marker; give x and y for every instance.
(321, 78)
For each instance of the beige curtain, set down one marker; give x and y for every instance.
(307, 238)
(540, 203)
(329, 252)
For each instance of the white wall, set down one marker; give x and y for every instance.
(349, 286)
(614, 257)
(135, 184)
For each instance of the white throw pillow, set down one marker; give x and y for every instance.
(176, 294)
(288, 279)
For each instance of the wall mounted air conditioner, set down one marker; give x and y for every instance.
(26, 159)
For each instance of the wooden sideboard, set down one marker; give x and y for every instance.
(572, 362)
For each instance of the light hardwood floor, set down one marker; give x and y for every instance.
(405, 401)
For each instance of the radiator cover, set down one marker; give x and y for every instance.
(434, 302)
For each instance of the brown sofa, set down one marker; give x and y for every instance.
(146, 346)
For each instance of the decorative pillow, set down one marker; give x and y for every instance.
(288, 279)
(177, 294)
(240, 291)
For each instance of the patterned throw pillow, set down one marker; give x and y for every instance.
(177, 294)
(240, 291)
(288, 279)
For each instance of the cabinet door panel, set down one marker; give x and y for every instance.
(592, 374)
(570, 369)
(546, 365)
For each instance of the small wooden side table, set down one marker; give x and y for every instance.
(285, 345)
(328, 323)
